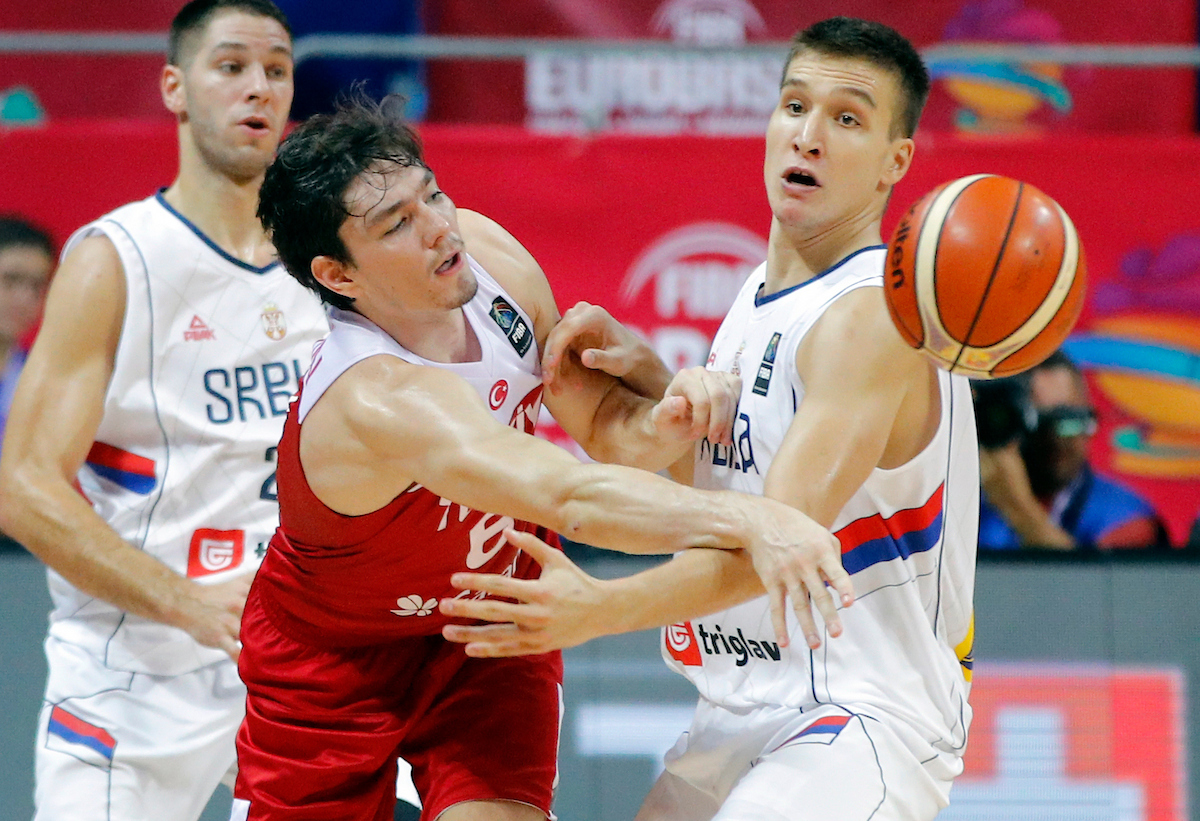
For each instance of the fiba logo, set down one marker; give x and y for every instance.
(690, 277)
(662, 93)
(681, 644)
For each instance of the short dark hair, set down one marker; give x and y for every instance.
(302, 201)
(194, 17)
(879, 45)
(19, 232)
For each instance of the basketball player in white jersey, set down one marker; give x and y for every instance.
(139, 461)
(838, 417)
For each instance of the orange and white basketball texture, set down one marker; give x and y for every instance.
(986, 275)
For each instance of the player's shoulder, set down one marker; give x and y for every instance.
(505, 260)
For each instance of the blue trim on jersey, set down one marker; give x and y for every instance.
(204, 238)
(760, 300)
(886, 548)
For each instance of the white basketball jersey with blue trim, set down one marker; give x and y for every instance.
(183, 467)
(908, 539)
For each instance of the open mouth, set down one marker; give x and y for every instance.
(797, 177)
(448, 264)
(256, 123)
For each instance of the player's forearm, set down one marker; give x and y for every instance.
(623, 433)
(694, 583)
(634, 511)
(57, 525)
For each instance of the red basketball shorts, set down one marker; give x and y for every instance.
(323, 727)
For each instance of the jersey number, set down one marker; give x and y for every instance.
(269, 491)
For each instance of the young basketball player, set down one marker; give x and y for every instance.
(407, 457)
(140, 457)
(838, 417)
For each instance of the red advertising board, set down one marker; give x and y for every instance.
(1096, 742)
(661, 230)
(732, 94)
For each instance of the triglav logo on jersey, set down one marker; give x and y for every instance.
(686, 282)
(512, 324)
(681, 644)
(664, 93)
(197, 330)
(273, 322)
(212, 551)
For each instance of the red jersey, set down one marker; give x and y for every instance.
(334, 580)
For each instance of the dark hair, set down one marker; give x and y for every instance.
(879, 45)
(302, 200)
(19, 232)
(194, 17)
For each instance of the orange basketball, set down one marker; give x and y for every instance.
(985, 274)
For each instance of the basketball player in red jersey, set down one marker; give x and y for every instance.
(405, 458)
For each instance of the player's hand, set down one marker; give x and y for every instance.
(562, 608)
(588, 335)
(698, 403)
(795, 557)
(214, 614)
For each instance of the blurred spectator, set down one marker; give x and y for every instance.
(1039, 489)
(26, 260)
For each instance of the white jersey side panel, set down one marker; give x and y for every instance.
(507, 375)
(183, 467)
(908, 538)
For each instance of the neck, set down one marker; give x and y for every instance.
(442, 336)
(796, 255)
(223, 208)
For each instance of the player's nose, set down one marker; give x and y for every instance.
(809, 136)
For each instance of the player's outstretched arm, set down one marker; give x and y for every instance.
(385, 424)
(606, 409)
(565, 606)
(54, 419)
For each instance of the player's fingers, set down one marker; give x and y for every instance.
(542, 553)
(464, 633)
(484, 610)
(802, 605)
(672, 417)
(822, 597)
(494, 585)
(776, 595)
(723, 408)
(836, 575)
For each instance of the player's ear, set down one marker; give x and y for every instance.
(899, 159)
(171, 86)
(334, 275)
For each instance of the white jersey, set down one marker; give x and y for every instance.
(908, 540)
(507, 375)
(211, 350)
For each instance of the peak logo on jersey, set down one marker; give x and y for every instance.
(497, 394)
(197, 331)
(212, 551)
(525, 414)
(274, 322)
(414, 605)
(681, 644)
(512, 324)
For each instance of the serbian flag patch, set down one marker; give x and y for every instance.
(70, 734)
(130, 471)
(821, 731)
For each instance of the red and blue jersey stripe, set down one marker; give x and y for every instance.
(829, 726)
(74, 729)
(130, 471)
(875, 539)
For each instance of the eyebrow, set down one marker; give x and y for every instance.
(851, 90)
(380, 216)
(233, 45)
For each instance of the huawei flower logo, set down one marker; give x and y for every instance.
(414, 606)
